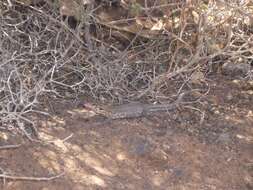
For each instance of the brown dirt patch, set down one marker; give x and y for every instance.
(169, 151)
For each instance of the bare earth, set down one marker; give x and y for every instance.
(170, 151)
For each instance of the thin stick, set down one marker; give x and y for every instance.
(9, 3)
(10, 146)
(24, 178)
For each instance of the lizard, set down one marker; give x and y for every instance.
(136, 110)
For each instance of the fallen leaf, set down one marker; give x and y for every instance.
(197, 77)
(158, 26)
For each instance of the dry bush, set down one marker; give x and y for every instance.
(42, 57)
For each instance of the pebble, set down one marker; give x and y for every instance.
(224, 138)
(138, 146)
(229, 96)
(236, 70)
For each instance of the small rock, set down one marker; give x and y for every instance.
(139, 146)
(236, 70)
(217, 112)
(177, 172)
(248, 181)
(229, 96)
(224, 138)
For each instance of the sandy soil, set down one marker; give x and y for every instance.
(170, 151)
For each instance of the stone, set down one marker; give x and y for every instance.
(224, 138)
(139, 146)
(236, 70)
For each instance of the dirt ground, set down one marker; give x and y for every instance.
(170, 151)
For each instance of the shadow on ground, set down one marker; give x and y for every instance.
(170, 151)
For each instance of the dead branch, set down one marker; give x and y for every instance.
(24, 178)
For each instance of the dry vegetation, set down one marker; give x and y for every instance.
(114, 51)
